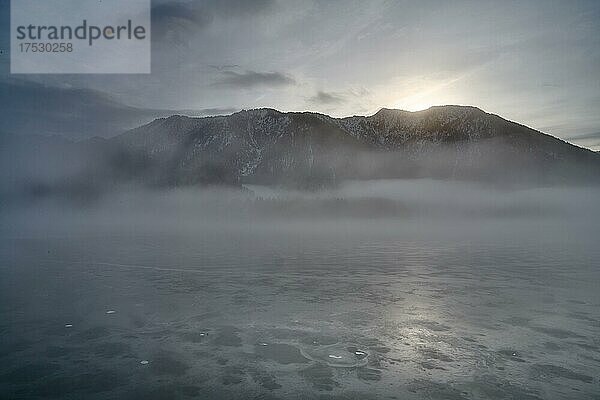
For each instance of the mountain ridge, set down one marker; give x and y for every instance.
(380, 112)
(304, 150)
(267, 144)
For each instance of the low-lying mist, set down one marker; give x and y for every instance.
(409, 287)
(354, 206)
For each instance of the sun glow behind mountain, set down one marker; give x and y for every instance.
(415, 106)
(422, 93)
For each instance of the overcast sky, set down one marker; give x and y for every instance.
(535, 62)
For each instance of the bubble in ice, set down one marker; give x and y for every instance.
(110, 311)
(68, 325)
(336, 355)
(144, 362)
(360, 354)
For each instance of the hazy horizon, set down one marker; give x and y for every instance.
(431, 234)
(534, 63)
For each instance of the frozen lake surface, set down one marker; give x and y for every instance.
(348, 309)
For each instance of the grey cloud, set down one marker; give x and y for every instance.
(183, 11)
(240, 8)
(593, 135)
(34, 108)
(174, 19)
(224, 67)
(205, 10)
(250, 79)
(327, 98)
